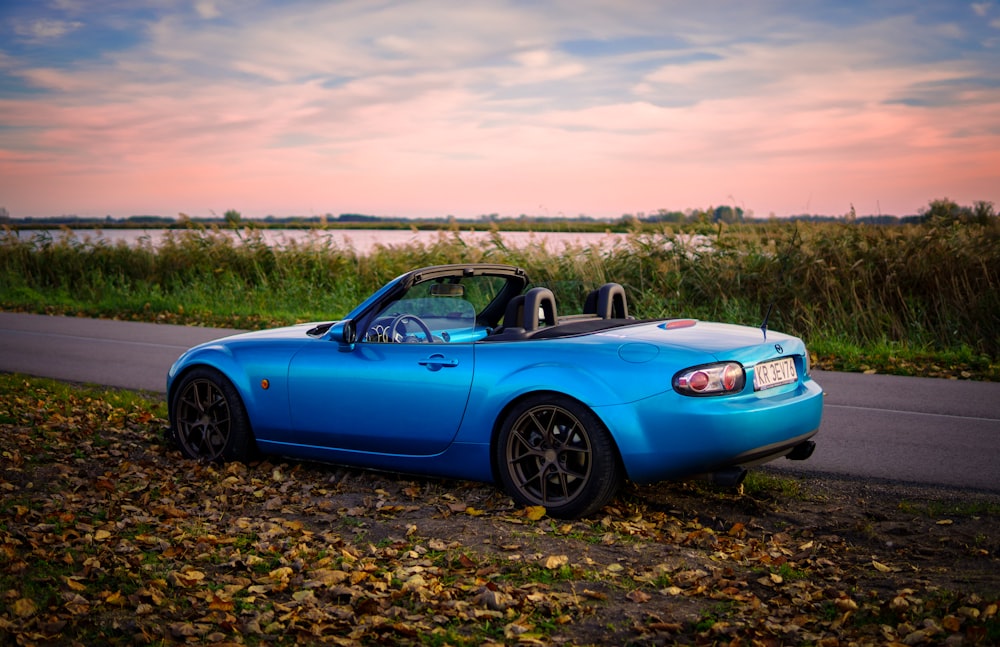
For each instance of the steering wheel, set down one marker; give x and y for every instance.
(399, 336)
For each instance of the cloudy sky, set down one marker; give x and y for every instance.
(441, 107)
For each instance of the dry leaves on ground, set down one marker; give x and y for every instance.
(107, 536)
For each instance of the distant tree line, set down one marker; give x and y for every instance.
(942, 209)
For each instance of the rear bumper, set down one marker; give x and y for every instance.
(781, 450)
(673, 436)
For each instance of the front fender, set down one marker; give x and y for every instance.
(248, 369)
(213, 355)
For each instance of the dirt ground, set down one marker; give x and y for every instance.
(109, 536)
(841, 561)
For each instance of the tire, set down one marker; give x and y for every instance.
(554, 452)
(208, 419)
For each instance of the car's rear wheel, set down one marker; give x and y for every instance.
(554, 452)
(208, 418)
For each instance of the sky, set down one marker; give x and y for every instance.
(444, 108)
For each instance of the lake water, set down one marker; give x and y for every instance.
(361, 240)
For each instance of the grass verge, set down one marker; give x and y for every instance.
(916, 299)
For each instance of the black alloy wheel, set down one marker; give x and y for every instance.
(554, 452)
(208, 418)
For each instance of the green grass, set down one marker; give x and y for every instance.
(900, 358)
(760, 484)
(915, 299)
(939, 509)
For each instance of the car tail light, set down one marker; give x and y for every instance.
(711, 379)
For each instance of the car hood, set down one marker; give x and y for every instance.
(274, 347)
(288, 337)
(297, 332)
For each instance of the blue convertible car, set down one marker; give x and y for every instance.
(462, 371)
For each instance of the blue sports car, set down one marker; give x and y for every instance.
(463, 371)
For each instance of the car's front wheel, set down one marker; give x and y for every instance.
(208, 418)
(554, 452)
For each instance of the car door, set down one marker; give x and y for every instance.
(387, 398)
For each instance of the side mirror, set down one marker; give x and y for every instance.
(344, 333)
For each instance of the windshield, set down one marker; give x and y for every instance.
(450, 309)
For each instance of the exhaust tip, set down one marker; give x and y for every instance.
(729, 477)
(802, 451)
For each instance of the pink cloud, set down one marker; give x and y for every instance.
(299, 114)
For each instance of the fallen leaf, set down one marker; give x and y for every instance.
(846, 604)
(534, 513)
(75, 584)
(187, 578)
(24, 607)
(952, 623)
(116, 599)
(638, 596)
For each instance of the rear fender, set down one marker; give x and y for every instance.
(489, 400)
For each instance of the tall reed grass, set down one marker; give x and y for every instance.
(935, 285)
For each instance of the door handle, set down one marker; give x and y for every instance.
(437, 361)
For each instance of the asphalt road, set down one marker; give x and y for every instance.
(903, 429)
(125, 354)
(908, 429)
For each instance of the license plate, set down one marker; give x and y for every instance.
(768, 375)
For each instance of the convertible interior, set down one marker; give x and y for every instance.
(441, 312)
(533, 315)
